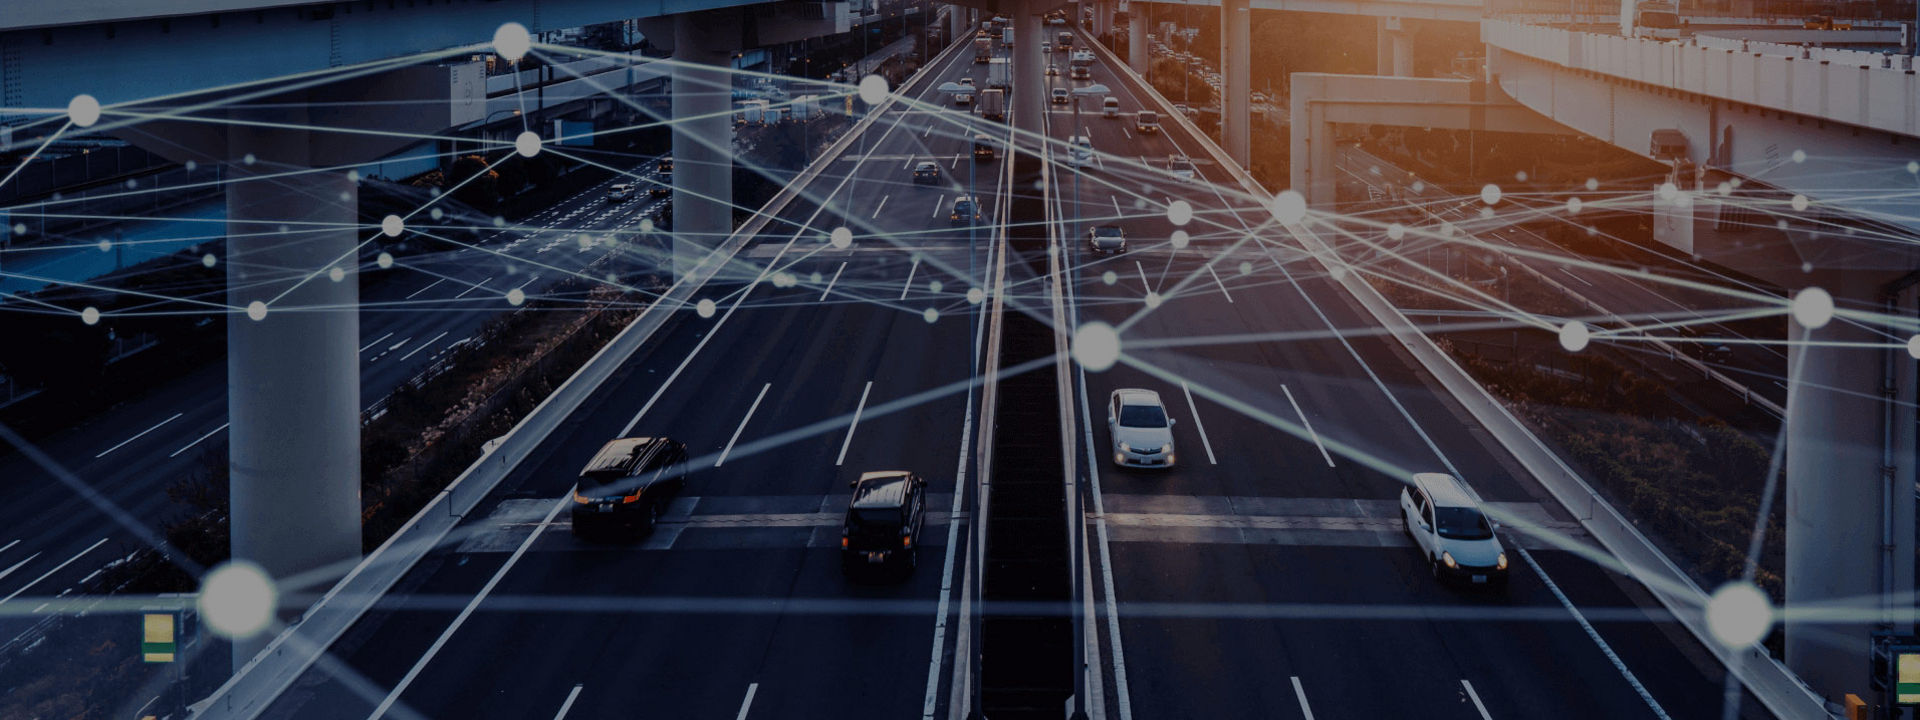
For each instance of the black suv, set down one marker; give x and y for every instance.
(626, 486)
(883, 521)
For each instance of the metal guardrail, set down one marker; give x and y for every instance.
(1781, 691)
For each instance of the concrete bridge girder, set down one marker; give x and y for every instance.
(1320, 101)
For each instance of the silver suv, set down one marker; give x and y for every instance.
(1446, 524)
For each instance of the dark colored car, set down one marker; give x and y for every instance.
(1107, 240)
(883, 523)
(627, 485)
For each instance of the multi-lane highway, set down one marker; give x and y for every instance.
(57, 540)
(1266, 575)
(831, 362)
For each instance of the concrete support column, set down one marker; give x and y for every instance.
(702, 133)
(1137, 51)
(293, 375)
(1393, 49)
(1029, 72)
(1849, 501)
(1236, 19)
(956, 23)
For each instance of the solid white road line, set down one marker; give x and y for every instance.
(196, 441)
(428, 287)
(9, 546)
(743, 424)
(1308, 423)
(536, 276)
(908, 165)
(422, 346)
(1144, 285)
(1576, 277)
(568, 705)
(1301, 693)
(123, 443)
(857, 409)
(1116, 207)
(1475, 697)
(376, 341)
(878, 208)
(473, 287)
(747, 704)
(1201, 426)
(946, 574)
(16, 566)
(461, 619)
(396, 346)
(56, 568)
(910, 272)
(1216, 281)
(937, 204)
(836, 278)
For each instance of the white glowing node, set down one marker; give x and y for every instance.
(1419, 187)
(1096, 346)
(975, 296)
(1109, 277)
(1396, 231)
(392, 225)
(816, 277)
(585, 241)
(1593, 183)
(784, 279)
(936, 286)
(1573, 205)
(1447, 229)
(842, 238)
(1289, 207)
(257, 310)
(516, 296)
(646, 225)
(527, 144)
(930, 315)
(1668, 190)
(1739, 615)
(1813, 308)
(248, 159)
(1913, 167)
(1520, 176)
(512, 42)
(1337, 271)
(1574, 336)
(208, 260)
(1180, 239)
(1913, 347)
(1179, 212)
(1246, 268)
(1153, 299)
(384, 261)
(1490, 194)
(237, 600)
(1799, 156)
(83, 110)
(19, 228)
(90, 315)
(336, 274)
(105, 245)
(873, 89)
(1486, 213)
(705, 308)
(1800, 203)
(1724, 189)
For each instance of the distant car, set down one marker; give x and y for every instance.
(1147, 121)
(883, 522)
(1447, 526)
(1110, 107)
(661, 189)
(965, 211)
(1080, 72)
(665, 165)
(963, 98)
(1080, 151)
(982, 147)
(1185, 110)
(625, 487)
(1107, 240)
(1052, 70)
(967, 81)
(1046, 46)
(1181, 167)
(1142, 432)
(926, 173)
(620, 192)
(1060, 96)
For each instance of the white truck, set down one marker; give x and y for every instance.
(993, 104)
(982, 49)
(999, 73)
(1006, 37)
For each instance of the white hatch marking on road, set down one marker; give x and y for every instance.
(56, 568)
(1475, 697)
(1197, 424)
(536, 276)
(747, 704)
(123, 443)
(878, 208)
(422, 346)
(937, 204)
(836, 278)
(857, 409)
(16, 566)
(1301, 693)
(743, 425)
(9, 546)
(196, 441)
(376, 341)
(1308, 423)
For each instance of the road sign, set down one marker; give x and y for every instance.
(156, 644)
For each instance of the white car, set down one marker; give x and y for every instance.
(1061, 96)
(619, 192)
(1181, 168)
(1080, 151)
(1141, 430)
(1448, 528)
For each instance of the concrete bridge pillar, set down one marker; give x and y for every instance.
(1137, 50)
(1849, 487)
(957, 22)
(1236, 66)
(1393, 51)
(1029, 69)
(703, 46)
